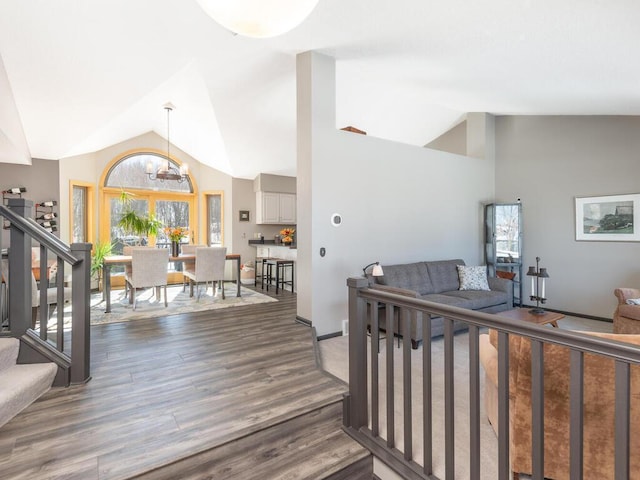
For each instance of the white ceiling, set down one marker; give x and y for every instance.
(86, 74)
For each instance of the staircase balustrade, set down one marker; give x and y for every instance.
(68, 345)
(362, 408)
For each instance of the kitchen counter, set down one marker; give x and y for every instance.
(270, 249)
(270, 243)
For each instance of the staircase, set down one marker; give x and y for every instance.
(20, 385)
(309, 446)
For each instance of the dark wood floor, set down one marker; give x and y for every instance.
(163, 389)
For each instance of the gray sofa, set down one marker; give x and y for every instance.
(438, 282)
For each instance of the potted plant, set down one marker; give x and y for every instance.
(287, 235)
(134, 223)
(100, 250)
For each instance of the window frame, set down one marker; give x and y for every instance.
(90, 202)
(107, 193)
(205, 214)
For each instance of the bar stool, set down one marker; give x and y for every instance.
(262, 255)
(281, 267)
(260, 272)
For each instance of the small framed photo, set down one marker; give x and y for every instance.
(244, 215)
(612, 218)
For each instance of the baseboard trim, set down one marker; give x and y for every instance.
(573, 314)
(303, 321)
(329, 335)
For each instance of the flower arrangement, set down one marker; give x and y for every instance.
(176, 234)
(287, 234)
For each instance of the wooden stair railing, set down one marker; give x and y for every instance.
(71, 355)
(363, 408)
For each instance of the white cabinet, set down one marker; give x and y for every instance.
(275, 208)
(287, 207)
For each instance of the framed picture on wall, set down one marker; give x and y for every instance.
(611, 218)
(244, 215)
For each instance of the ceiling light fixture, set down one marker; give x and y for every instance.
(167, 171)
(258, 18)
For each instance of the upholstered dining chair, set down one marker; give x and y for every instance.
(52, 296)
(190, 264)
(52, 301)
(209, 267)
(148, 270)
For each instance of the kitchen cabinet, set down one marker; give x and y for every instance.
(275, 208)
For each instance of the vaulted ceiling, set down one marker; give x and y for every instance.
(86, 74)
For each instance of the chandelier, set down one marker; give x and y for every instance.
(166, 171)
(258, 18)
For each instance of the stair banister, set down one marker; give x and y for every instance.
(359, 414)
(23, 231)
(19, 273)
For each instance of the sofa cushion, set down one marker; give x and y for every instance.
(412, 276)
(444, 274)
(629, 311)
(473, 278)
(447, 300)
(478, 299)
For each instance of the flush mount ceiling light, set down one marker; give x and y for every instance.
(258, 18)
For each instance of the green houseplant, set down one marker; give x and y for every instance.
(134, 223)
(100, 250)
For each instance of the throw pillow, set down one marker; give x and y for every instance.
(473, 278)
(633, 301)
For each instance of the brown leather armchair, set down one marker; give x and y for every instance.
(599, 407)
(626, 318)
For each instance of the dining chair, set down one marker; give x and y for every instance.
(209, 267)
(52, 296)
(149, 268)
(188, 264)
(52, 301)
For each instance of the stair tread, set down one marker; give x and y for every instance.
(21, 385)
(309, 446)
(9, 348)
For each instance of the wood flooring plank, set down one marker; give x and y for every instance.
(170, 387)
(304, 447)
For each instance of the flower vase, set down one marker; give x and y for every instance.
(175, 249)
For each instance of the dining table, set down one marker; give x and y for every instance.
(112, 260)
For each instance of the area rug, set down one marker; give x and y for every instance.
(147, 305)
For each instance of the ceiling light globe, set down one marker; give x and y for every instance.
(258, 18)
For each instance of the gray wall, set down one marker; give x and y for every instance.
(244, 198)
(452, 141)
(41, 180)
(547, 162)
(399, 203)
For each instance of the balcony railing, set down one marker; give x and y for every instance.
(364, 408)
(66, 344)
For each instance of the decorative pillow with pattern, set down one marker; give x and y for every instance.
(473, 278)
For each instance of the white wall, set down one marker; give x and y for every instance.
(547, 162)
(13, 143)
(399, 203)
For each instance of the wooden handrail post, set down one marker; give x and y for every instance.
(80, 313)
(20, 271)
(358, 404)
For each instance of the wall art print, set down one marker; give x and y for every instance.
(610, 218)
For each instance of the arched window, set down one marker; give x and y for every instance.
(131, 172)
(171, 202)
